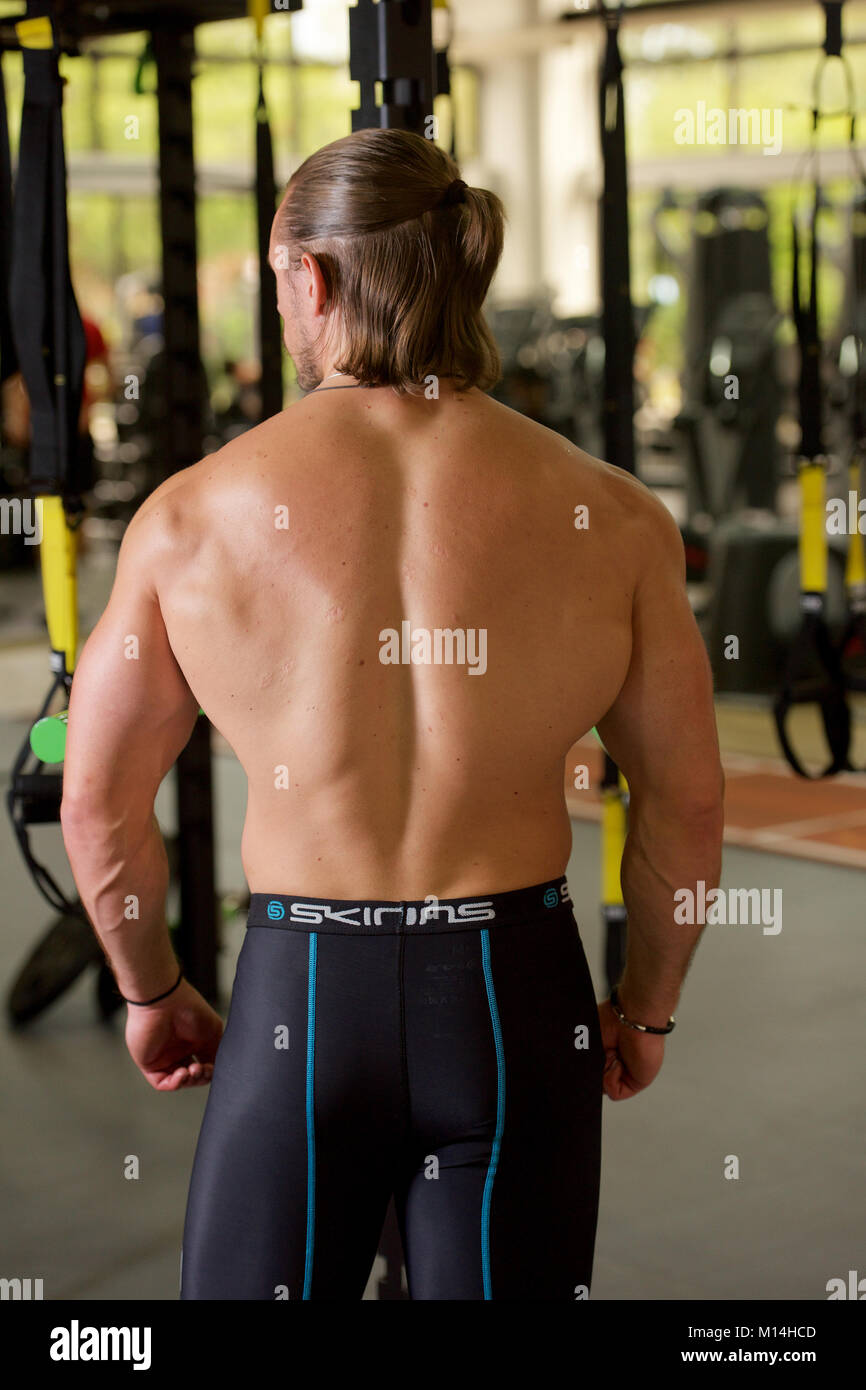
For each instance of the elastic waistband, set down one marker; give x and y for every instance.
(373, 917)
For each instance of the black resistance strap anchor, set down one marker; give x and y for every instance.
(814, 676)
(49, 343)
(814, 673)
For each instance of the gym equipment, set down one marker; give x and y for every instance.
(814, 674)
(49, 340)
(731, 389)
(618, 427)
(49, 345)
(614, 828)
(852, 648)
(754, 577)
(852, 371)
(67, 949)
(551, 368)
(48, 737)
(8, 355)
(270, 332)
(392, 43)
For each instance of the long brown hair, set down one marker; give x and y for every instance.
(407, 273)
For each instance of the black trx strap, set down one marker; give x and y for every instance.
(270, 331)
(8, 355)
(833, 31)
(34, 798)
(617, 313)
(806, 324)
(853, 645)
(49, 335)
(50, 345)
(618, 425)
(813, 673)
(813, 676)
(852, 649)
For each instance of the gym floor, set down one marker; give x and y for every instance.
(766, 1065)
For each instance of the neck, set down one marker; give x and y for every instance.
(332, 380)
(338, 381)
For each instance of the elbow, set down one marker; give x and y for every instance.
(706, 829)
(705, 805)
(76, 812)
(77, 829)
(74, 815)
(696, 807)
(82, 819)
(704, 817)
(94, 829)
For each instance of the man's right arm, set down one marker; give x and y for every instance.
(661, 731)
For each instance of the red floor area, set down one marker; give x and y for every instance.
(767, 807)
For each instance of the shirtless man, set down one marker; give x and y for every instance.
(381, 599)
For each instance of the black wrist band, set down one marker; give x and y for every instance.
(142, 1003)
(641, 1027)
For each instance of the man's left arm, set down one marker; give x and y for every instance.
(131, 713)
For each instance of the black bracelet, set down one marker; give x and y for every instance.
(142, 1003)
(641, 1027)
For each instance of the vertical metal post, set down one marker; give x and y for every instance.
(174, 48)
(392, 43)
(618, 417)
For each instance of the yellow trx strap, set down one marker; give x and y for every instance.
(35, 33)
(58, 554)
(613, 832)
(614, 828)
(853, 645)
(257, 9)
(855, 564)
(813, 532)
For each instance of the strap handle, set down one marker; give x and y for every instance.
(814, 677)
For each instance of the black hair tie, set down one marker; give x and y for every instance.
(454, 193)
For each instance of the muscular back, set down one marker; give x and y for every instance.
(286, 557)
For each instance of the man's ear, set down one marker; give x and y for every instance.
(313, 286)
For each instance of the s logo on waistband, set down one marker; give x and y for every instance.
(275, 910)
(551, 897)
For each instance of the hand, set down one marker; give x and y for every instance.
(174, 1043)
(633, 1059)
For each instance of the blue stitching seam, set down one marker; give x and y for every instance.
(500, 1114)
(311, 1133)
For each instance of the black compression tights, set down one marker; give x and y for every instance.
(449, 1054)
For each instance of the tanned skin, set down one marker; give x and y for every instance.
(402, 780)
